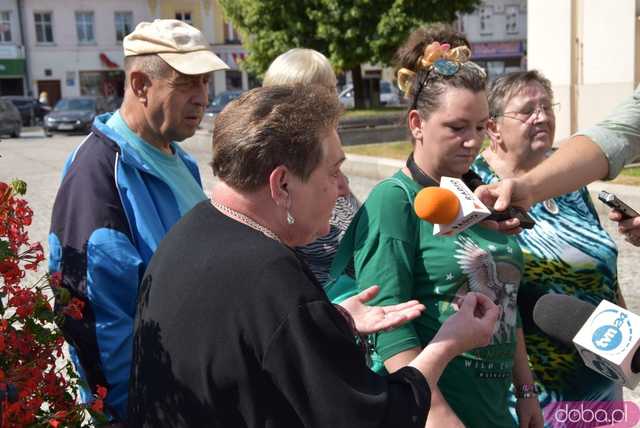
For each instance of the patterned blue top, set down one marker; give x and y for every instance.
(567, 252)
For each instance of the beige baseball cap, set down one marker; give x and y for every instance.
(179, 44)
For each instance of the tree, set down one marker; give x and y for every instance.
(349, 32)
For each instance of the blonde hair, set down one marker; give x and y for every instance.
(301, 66)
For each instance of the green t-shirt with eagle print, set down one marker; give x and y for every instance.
(396, 250)
(567, 252)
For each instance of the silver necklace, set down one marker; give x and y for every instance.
(229, 212)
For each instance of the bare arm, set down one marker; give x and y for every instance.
(521, 372)
(440, 413)
(528, 409)
(578, 162)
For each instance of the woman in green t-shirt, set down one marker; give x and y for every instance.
(394, 249)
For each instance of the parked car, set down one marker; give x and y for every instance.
(74, 114)
(31, 110)
(220, 101)
(10, 120)
(389, 95)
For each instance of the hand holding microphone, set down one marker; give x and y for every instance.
(453, 207)
(607, 337)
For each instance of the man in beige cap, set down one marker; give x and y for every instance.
(122, 190)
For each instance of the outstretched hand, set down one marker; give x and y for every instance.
(372, 319)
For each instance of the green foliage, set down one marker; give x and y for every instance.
(349, 32)
(19, 186)
(5, 251)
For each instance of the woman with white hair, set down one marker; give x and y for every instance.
(307, 67)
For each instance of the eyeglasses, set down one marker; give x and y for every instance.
(531, 113)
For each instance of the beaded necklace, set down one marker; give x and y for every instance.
(229, 212)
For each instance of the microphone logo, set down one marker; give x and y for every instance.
(613, 332)
(607, 337)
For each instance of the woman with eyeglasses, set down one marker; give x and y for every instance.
(388, 245)
(567, 251)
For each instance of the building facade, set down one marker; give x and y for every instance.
(13, 79)
(497, 31)
(590, 50)
(74, 47)
(227, 44)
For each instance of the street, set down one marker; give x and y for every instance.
(39, 160)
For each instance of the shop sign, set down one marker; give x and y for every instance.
(497, 50)
(11, 67)
(70, 78)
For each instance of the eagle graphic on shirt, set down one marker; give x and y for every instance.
(496, 279)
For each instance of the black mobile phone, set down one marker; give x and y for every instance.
(613, 201)
(526, 222)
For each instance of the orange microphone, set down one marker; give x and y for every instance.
(436, 205)
(451, 208)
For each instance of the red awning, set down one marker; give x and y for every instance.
(104, 59)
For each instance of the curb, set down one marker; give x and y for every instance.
(370, 167)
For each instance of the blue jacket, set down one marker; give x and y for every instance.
(108, 218)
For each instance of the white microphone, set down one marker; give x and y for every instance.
(607, 337)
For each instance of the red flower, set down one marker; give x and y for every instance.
(74, 308)
(55, 279)
(97, 405)
(34, 386)
(101, 391)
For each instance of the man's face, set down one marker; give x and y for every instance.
(175, 105)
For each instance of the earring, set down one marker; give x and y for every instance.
(290, 219)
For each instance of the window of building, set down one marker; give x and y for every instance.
(230, 33)
(512, 17)
(124, 24)
(5, 26)
(44, 27)
(84, 27)
(486, 20)
(234, 80)
(184, 16)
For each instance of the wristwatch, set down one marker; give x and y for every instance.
(526, 390)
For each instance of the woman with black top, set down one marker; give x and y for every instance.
(232, 328)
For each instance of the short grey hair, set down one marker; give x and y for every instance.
(505, 87)
(151, 65)
(271, 126)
